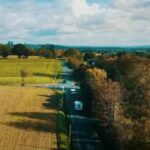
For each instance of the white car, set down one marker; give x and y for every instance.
(78, 105)
(73, 91)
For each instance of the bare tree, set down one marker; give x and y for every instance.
(24, 73)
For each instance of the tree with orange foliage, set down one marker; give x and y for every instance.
(106, 95)
(73, 62)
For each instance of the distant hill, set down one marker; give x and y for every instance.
(38, 46)
(95, 48)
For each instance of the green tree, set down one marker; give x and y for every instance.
(4, 51)
(48, 54)
(89, 55)
(80, 72)
(20, 50)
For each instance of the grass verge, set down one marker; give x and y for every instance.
(61, 126)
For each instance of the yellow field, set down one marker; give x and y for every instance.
(27, 119)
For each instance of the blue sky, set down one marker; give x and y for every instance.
(103, 2)
(76, 22)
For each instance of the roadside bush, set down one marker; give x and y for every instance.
(62, 132)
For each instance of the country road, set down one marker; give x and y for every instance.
(83, 134)
(82, 129)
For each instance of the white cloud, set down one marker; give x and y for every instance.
(81, 8)
(76, 22)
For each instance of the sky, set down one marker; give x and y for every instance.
(76, 22)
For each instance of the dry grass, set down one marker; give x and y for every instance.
(25, 121)
(16, 57)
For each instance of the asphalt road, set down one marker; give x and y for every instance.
(83, 133)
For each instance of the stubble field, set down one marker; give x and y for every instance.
(27, 119)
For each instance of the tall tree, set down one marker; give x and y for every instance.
(136, 79)
(72, 52)
(58, 53)
(4, 51)
(106, 95)
(89, 55)
(73, 62)
(20, 50)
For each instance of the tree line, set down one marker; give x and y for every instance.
(116, 90)
(46, 51)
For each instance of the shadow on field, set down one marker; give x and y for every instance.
(44, 75)
(53, 102)
(44, 122)
(47, 75)
(37, 147)
(47, 117)
(38, 121)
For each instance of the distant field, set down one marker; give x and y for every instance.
(41, 70)
(16, 57)
(27, 119)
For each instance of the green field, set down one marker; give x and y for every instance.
(40, 71)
